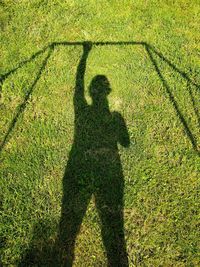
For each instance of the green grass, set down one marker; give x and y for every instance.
(161, 166)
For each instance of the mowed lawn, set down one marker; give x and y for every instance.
(155, 87)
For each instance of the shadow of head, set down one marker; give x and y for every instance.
(99, 88)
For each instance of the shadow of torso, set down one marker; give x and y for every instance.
(94, 159)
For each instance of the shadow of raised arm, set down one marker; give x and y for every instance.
(79, 97)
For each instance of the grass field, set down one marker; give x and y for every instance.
(154, 86)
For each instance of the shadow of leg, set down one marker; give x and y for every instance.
(75, 202)
(110, 209)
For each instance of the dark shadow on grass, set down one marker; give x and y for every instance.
(94, 168)
(41, 247)
(150, 50)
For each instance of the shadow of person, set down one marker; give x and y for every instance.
(94, 167)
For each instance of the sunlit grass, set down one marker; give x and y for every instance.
(161, 168)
